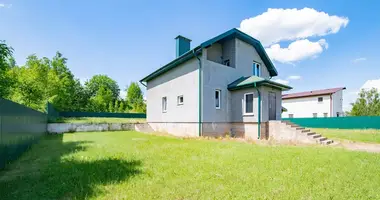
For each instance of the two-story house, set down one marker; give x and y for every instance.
(316, 103)
(223, 86)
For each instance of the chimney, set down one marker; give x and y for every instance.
(182, 45)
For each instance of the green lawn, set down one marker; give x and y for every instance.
(95, 120)
(369, 135)
(132, 165)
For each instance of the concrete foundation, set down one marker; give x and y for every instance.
(282, 133)
(181, 129)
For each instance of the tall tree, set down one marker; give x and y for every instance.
(100, 102)
(6, 63)
(31, 83)
(135, 98)
(367, 104)
(98, 81)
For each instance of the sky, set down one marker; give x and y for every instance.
(313, 44)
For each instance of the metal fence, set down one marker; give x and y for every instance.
(364, 122)
(20, 127)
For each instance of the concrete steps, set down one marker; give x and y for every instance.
(318, 138)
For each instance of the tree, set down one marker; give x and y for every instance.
(98, 81)
(367, 104)
(135, 98)
(31, 83)
(101, 100)
(6, 63)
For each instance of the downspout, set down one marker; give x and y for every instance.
(331, 111)
(199, 94)
(259, 112)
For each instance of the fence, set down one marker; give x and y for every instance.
(20, 127)
(55, 114)
(364, 122)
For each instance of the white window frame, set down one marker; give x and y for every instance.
(219, 95)
(325, 114)
(245, 102)
(178, 100)
(316, 115)
(291, 116)
(320, 101)
(164, 106)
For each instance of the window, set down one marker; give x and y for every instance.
(180, 100)
(256, 69)
(315, 115)
(164, 104)
(248, 103)
(291, 115)
(320, 99)
(217, 99)
(325, 114)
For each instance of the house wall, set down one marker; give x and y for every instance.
(337, 98)
(182, 80)
(214, 53)
(306, 106)
(245, 55)
(229, 52)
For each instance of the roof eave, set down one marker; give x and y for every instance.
(185, 57)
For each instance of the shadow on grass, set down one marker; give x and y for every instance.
(42, 173)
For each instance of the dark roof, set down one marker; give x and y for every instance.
(251, 81)
(312, 93)
(233, 33)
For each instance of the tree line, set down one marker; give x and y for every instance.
(43, 80)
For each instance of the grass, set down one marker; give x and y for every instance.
(368, 135)
(94, 120)
(132, 165)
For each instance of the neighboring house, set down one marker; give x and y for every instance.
(220, 87)
(318, 103)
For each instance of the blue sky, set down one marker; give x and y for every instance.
(129, 39)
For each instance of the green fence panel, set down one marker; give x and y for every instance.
(20, 127)
(102, 114)
(363, 122)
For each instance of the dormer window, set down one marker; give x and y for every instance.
(256, 69)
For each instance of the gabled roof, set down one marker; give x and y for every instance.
(233, 33)
(312, 93)
(251, 81)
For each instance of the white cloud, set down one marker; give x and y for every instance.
(371, 84)
(297, 50)
(277, 25)
(281, 81)
(294, 77)
(359, 60)
(2, 5)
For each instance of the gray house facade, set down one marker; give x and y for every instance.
(221, 87)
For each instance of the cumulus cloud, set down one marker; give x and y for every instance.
(294, 77)
(359, 60)
(281, 81)
(297, 50)
(371, 84)
(277, 25)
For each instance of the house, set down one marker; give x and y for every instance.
(317, 103)
(223, 86)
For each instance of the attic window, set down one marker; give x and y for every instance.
(256, 69)
(320, 99)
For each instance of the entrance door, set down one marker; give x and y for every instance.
(272, 105)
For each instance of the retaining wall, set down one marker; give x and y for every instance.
(58, 128)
